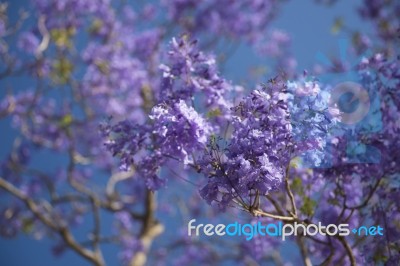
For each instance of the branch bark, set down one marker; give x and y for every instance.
(62, 230)
(150, 230)
(303, 251)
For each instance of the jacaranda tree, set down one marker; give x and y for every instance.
(137, 131)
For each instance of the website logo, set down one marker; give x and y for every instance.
(279, 230)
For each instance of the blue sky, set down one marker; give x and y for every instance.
(307, 23)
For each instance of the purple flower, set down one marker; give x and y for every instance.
(256, 156)
(123, 221)
(191, 73)
(2, 27)
(130, 246)
(28, 42)
(180, 130)
(10, 224)
(245, 19)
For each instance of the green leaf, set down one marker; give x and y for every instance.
(295, 162)
(27, 226)
(214, 113)
(337, 25)
(62, 36)
(66, 120)
(96, 26)
(62, 70)
(308, 207)
(297, 186)
(103, 66)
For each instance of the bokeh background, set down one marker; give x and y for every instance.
(311, 27)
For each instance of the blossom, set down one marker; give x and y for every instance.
(180, 130)
(246, 19)
(28, 42)
(112, 82)
(190, 72)
(2, 28)
(257, 154)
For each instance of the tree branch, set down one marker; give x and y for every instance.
(348, 250)
(274, 216)
(150, 230)
(303, 251)
(62, 230)
(290, 193)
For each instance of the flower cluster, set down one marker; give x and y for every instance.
(277, 45)
(176, 130)
(180, 130)
(176, 117)
(246, 19)
(256, 156)
(312, 119)
(385, 17)
(190, 72)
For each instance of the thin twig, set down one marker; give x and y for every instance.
(290, 193)
(62, 230)
(274, 216)
(348, 250)
(303, 251)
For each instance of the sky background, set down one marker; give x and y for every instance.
(308, 24)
